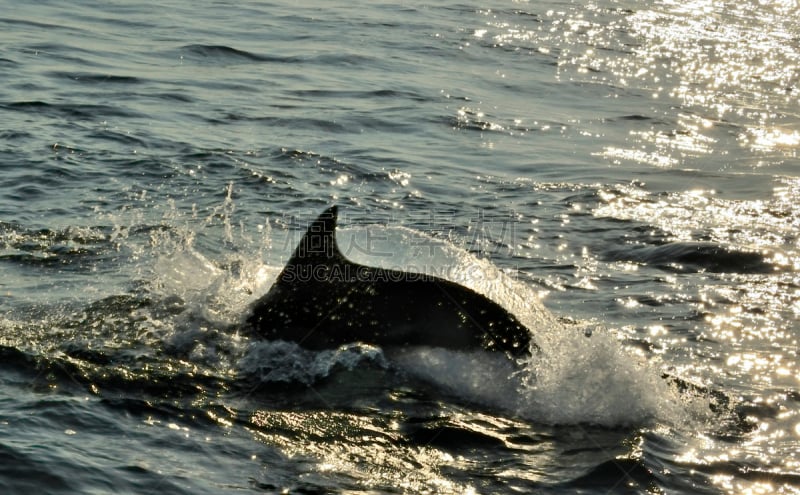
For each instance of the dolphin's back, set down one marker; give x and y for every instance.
(322, 300)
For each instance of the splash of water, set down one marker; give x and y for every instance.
(573, 377)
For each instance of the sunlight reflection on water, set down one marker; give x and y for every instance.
(722, 73)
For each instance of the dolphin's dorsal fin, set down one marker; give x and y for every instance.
(317, 247)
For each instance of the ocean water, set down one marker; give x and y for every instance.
(622, 175)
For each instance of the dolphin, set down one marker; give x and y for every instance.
(322, 300)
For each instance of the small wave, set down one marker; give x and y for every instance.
(450, 438)
(614, 473)
(635, 117)
(472, 119)
(68, 249)
(316, 94)
(89, 78)
(119, 137)
(327, 126)
(227, 55)
(12, 135)
(40, 25)
(16, 236)
(339, 58)
(172, 96)
(695, 256)
(69, 110)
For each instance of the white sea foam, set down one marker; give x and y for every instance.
(581, 381)
(575, 376)
(279, 361)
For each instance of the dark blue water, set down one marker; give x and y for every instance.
(623, 176)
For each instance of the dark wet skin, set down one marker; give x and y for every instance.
(322, 300)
